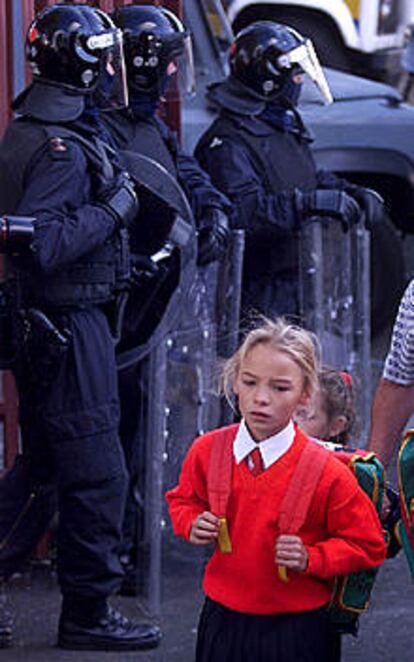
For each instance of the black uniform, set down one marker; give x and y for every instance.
(150, 136)
(259, 158)
(69, 409)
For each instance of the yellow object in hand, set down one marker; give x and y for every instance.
(283, 576)
(224, 541)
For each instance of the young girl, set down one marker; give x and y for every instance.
(267, 591)
(330, 415)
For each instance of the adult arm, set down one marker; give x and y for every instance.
(198, 186)
(194, 180)
(393, 405)
(394, 399)
(68, 224)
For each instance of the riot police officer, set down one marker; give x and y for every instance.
(157, 53)
(257, 152)
(67, 271)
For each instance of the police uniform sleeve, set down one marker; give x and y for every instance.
(58, 193)
(354, 537)
(198, 186)
(231, 170)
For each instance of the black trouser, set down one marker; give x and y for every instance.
(69, 429)
(134, 412)
(229, 636)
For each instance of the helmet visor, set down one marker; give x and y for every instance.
(182, 59)
(305, 57)
(111, 91)
(186, 74)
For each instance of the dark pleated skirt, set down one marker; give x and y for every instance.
(229, 636)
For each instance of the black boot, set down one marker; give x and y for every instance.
(110, 631)
(6, 620)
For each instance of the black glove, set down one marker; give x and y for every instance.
(213, 236)
(143, 268)
(328, 203)
(121, 201)
(371, 203)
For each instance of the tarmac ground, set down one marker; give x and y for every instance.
(386, 631)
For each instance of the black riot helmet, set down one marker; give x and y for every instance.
(265, 56)
(156, 45)
(78, 48)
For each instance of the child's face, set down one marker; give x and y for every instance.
(313, 419)
(270, 387)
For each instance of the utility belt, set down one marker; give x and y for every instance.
(94, 280)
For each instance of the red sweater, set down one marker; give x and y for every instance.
(342, 532)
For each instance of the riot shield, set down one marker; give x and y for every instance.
(181, 402)
(334, 295)
(165, 232)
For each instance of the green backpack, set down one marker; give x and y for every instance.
(405, 527)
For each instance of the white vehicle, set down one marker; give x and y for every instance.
(362, 36)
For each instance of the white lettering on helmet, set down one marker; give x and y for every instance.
(100, 41)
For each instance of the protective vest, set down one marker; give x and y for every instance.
(351, 593)
(95, 278)
(283, 162)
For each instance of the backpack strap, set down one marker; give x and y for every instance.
(300, 490)
(219, 482)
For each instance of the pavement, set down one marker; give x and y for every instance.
(386, 631)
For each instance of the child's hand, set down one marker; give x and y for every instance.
(205, 529)
(291, 553)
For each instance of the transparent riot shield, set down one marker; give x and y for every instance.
(334, 294)
(180, 403)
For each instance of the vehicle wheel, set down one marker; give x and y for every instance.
(388, 278)
(322, 32)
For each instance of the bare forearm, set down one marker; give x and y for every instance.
(393, 405)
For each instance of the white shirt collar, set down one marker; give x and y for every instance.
(271, 449)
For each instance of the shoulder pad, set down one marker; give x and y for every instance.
(59, 148)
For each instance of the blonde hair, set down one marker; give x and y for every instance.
(299, 344)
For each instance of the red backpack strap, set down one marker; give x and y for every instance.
(301, 488)
(220, 470)
(219, 481)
